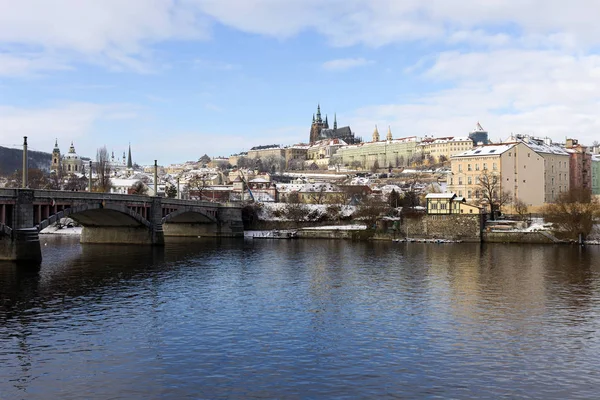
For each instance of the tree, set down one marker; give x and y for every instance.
(319, 195)
(491, 192)
(370, 210)
(205, 159)
(573, 213)
(76, 184)
(375, 166)
(335, 161)
(356, 164)
(102, 170)
(36, 179)
(313, 166)
(399, 161)
(394, 199)
(171, 191)
(521, 208)
(295, 164)
(442, 159)
(197, 184)
(293, 197)
(139, 188)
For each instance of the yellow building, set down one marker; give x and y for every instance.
(445, 147)
(449, 203)
(518, 169)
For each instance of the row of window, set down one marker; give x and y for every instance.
(484, 167)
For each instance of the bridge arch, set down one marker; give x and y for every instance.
(99, 214)
(190, 215)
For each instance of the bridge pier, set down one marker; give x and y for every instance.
(21, 242)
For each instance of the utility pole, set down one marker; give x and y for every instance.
(90, 178)
(25, 163)
(155, 178)
(178, 192)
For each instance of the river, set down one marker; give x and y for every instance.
(301, 319)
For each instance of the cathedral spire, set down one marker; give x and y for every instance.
(319, 113)
(389, 134)
(326, 122)
(376, 134)
(313, 118)
(334, 121)
(129, 163)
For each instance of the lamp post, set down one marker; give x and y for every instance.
(178, 192)
(155, 178)
(90, 178)
(25, 163)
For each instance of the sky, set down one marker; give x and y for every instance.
(181, 78)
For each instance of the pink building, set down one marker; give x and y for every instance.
(580, 165)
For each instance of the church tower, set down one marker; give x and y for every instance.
(389, 134)
(376, 134)
(55, 164)
(317, 126)
(129, 163)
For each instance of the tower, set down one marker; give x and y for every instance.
(129, 163)
(389, 134)
(55, 164)
(317, 126)
(376, 134)
(334, 121)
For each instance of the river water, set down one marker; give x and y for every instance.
(301, 319)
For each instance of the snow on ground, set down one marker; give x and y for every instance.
(54, 230)
(277, 211)
(357, 227)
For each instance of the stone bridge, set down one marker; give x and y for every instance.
(107, 218)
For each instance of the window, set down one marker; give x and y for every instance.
(460, 193)
(469, 194)
(484, 166)
(443, 206)
(468, 167)
(434, 206)
(477, 193)
(477, 180)
(459, 167)
(509, 153)
(476, 167)
(469, 180)
(460, 180)
(494, 167)
(451, 181)
(528, 154)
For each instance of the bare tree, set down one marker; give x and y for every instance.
(335, 161)
(198, 184)
(103, 170)
(139, 188)
(521, 208)
(76, 184)
(356, 164)
(491, 192)
(370, 210)
(573, 213)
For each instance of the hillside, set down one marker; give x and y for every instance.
(12, 160)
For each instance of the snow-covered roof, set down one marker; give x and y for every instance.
(487, 150)
(440, 195)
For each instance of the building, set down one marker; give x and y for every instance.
(265, 151)
(387, 153)
(319, 130)
(596, 174)
(69, 164)
(324, 149)
(580, 165)
(556, 164)
(518, 170)
(449, 203)
(479, 136)
(442, 148)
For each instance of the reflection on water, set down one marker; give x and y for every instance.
(291, 319)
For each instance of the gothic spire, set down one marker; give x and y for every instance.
(326, 122)
(313, 118)
(129, 163)
(389, 134)
(319, 113)
(334, 121)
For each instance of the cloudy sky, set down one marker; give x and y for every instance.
(180, 78)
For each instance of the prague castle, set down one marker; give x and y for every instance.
(319, 130)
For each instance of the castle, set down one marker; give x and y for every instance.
(319, 130)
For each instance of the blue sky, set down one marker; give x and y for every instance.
(181, 78)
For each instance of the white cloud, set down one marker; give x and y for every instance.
(29, 65)
(345, 63)
(65, 122)
(542, 93)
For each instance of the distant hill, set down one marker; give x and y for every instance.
(12, 160)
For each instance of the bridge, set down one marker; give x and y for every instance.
(107, 218)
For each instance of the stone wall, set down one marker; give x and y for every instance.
(519, 237)
(465, 227)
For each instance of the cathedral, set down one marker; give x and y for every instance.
(320, 130)
(70, 163)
